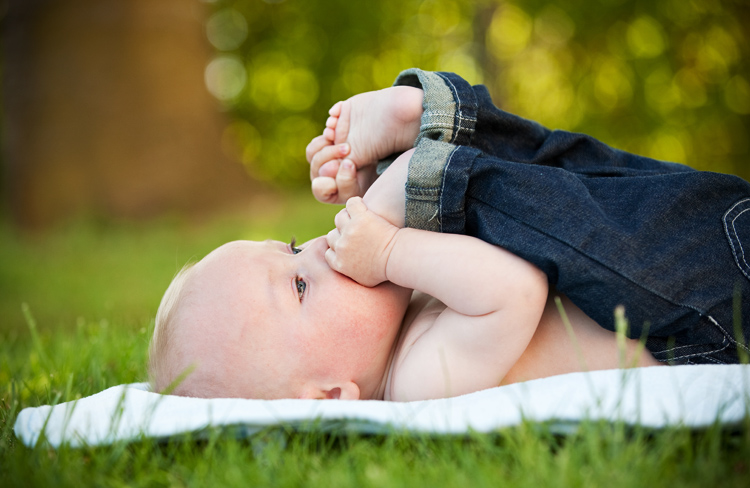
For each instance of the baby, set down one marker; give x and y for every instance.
(372, 310)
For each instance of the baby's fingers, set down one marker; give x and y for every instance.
(332, 260)
(324, 189)
(355, 206)
(341, 220)
(332, 239)
(346, 181)
(330, 168)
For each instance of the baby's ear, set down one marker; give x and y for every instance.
(344, 391)
(347, 391)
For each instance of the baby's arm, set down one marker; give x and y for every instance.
(494, 299)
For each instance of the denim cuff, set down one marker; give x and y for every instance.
(425, 183)
(436, 186)
(455, 187)
(448, 120)
(450, 106)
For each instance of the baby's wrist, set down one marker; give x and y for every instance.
(388, 253)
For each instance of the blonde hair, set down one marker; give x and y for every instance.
(163, 338)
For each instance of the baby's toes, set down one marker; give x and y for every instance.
(343, 122)
(335, 111)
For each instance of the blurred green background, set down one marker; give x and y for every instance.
(140, 134)
(667, 78)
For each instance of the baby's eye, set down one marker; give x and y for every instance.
(301, 287)
(295, 250)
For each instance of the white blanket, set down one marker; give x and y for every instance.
(692, 396)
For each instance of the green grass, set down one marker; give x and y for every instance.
(92, 290)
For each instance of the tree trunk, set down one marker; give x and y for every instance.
(106, 113)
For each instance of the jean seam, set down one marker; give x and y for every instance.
(727, 335)
(732, 236)
(739, 242)
(726, 341)
(702, 353)
(673, 349)
(458, 109)
(442, 189)
(461, 117)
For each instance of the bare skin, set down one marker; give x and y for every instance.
(256, 321)
(469, 336)
(420, 368)
(552, 351)
(480, 316)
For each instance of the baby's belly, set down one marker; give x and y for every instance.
(552, 351)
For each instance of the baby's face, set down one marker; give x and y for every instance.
(267, 317)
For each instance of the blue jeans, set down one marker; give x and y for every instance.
(607, 227)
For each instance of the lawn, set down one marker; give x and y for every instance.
(77, 303)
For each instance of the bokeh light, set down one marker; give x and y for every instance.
(668, 79)
(225, 77)
(226, 29)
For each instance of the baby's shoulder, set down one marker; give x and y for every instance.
(421, 315)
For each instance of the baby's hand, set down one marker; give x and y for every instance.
(360, 244)
(334, 179)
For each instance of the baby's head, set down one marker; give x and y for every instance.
(268, 320)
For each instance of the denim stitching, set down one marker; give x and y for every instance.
(442, 189)
(739, 242)
(714, 360)
(675, 348)
(727, 335)
(432, 113)
(458, 107)
(461, 116)
(734, 229)
(445, 125)
(724, 343)
(436, 125)
(702, 353)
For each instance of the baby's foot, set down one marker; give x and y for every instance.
(376, 124)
